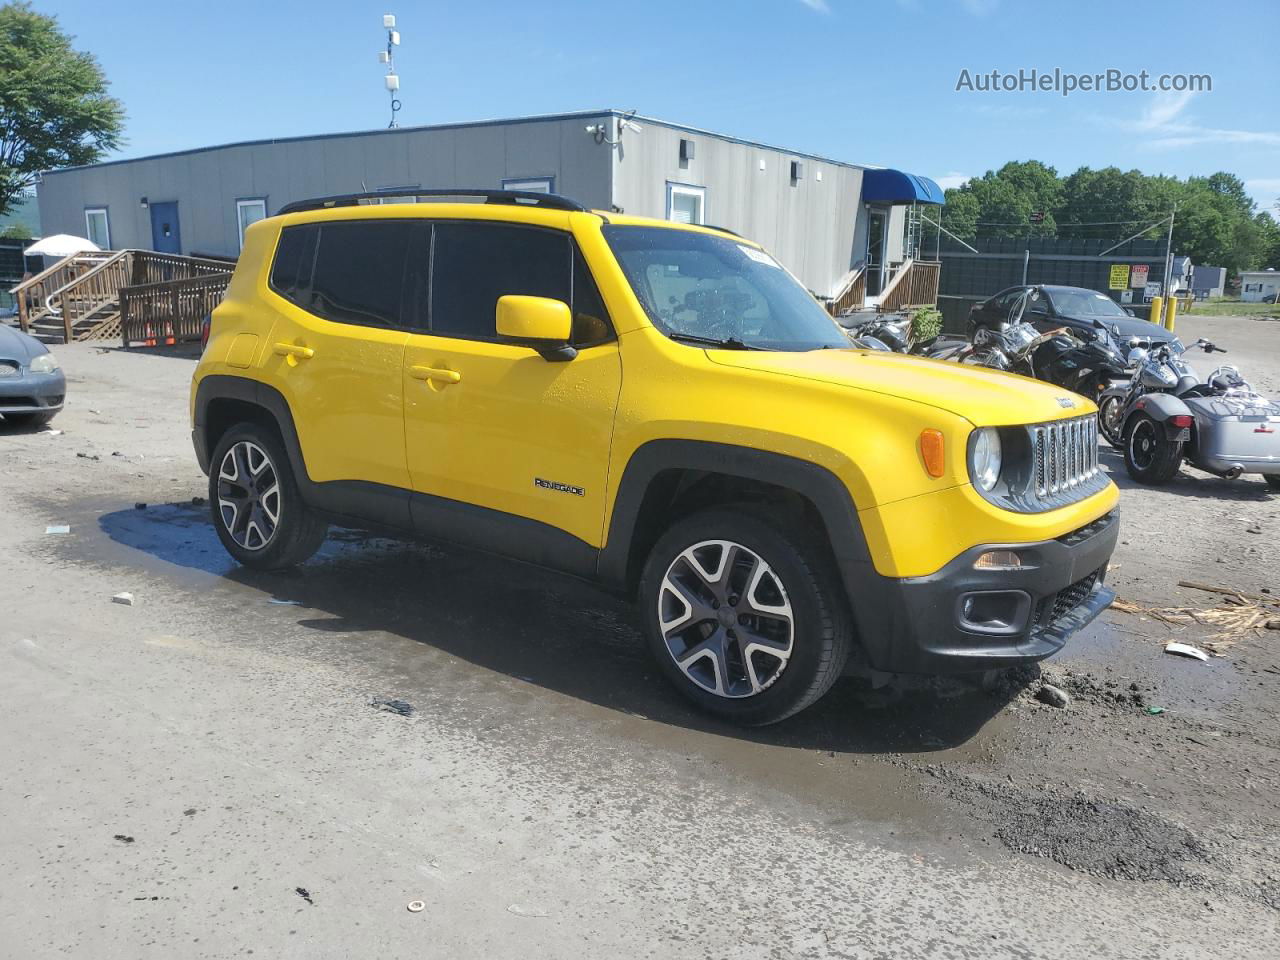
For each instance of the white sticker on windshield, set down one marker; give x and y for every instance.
(759, 256)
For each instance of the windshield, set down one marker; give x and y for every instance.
(1084, 303)
(704, 287)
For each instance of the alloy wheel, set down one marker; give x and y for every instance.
(249, 495)
(726, 619)
(1142, 444)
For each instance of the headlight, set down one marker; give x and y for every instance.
(984, 458)
(44, 364)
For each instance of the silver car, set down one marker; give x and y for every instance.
(32, 387)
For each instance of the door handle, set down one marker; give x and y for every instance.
(293, 350)
(435, 373)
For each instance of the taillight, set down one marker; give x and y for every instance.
(1180, 420)
(205, 325)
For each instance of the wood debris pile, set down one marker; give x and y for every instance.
(1237, 615)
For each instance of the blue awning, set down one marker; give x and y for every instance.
(894, 186)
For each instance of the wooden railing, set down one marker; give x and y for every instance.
(851, 293)
(32, 294)
(914, 285)
(94, 292)
(172, 311)
(82, 294)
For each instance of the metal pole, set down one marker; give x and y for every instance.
(943, 229)
(1168, 251)
(1026, 259)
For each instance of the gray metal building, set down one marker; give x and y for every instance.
(823, 218)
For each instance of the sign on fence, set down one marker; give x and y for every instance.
(1119, 276)
(1138, 275)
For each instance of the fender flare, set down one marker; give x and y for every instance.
(1160, 407)
(820, 486)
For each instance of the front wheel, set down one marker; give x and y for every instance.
(257, 509)
(747, 620)
(1110, 425)
(1149, 455)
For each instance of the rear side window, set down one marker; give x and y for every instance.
(473, 264)
(291, 271)
(347, 272)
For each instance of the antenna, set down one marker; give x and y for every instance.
(387, 56)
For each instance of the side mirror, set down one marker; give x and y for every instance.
(1129, 312)
(538, 322)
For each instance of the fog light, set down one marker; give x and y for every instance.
(998, 560)
(1003, 612)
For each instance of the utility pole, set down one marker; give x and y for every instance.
(391, 80)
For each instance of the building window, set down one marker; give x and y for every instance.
(250, 211)
(531, 184)
(97, 228)
(686, 204)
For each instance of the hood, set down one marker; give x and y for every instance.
(1130, 327)
(986, 398)
(16, 345)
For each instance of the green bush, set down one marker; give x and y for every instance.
(926, 323)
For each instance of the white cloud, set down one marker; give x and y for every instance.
(1168, 127)
(819, 5)
(953, 179)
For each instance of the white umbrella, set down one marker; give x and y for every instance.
(60, 245)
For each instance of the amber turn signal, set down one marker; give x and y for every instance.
(933, 450)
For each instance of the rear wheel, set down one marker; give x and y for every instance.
(748, 621)
(1149, 455)
(257, 509)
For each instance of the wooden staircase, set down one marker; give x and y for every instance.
(80, 297)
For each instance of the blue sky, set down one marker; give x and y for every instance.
(870, 81)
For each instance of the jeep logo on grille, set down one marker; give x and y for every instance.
(1066, 402)
(559, 487)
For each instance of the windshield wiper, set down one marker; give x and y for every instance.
(728, 343)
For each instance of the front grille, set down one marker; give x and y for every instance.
(8, 369)
(18, 402)
(1058, 605)
(1065, 455)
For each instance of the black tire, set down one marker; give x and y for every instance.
(1113, 437)
(295, 534)
(799, 571)
(30, 419)
(1149, 455)
(1273, 481)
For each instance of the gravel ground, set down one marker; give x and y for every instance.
(278, 764)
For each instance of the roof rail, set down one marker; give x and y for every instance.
(551, 201)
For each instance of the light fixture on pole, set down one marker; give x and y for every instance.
(391, 80)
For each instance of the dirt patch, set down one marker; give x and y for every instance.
(1104, 838)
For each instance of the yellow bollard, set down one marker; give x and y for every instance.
(1157, 310)
(1170, 313)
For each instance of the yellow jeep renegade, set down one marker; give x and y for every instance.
(660, 408)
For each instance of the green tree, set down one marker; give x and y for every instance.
(54, 106)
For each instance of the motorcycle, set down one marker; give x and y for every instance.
(1086, 362)
(1166, 414)
(892, 331)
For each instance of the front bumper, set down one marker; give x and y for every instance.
(918, 624)
(29, 392)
